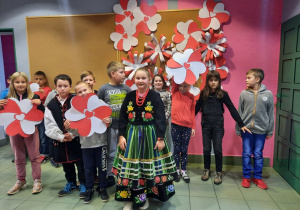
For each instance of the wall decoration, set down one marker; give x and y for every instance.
(212, 15)
(133, 63)
(123, 37)
(20, 117)
(187, 35)
(124, 10)
(86, 114)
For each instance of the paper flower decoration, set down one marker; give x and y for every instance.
(135, 62)
(161, 49)
(123, 37)
(20, 117)
(186, 66)
(145, 18)
(212, 15)
(86, 114)
(195, 91)
(187, 35)
(213, 46)
(130, 84)
(223, 70)
(124, 10)
(34, 87)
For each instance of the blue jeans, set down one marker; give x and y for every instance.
(253, 144)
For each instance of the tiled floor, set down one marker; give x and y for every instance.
(196, 195)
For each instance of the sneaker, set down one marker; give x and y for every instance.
(146, 205)
(103, 194)
(53, 163)
(88, 196)
(43, 159)
(17, 187)
(185, 177)
(206, 175)
(178, 176)
(127, 206)
(82, 191)
(246, 182)
(68, 188)
(260, 183)
(37, 186)
(110, 181)
(218, 178)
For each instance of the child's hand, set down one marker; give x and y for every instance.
(159, 145)
(122, 143)
(67, 124)
(268, 137)
(2, 103)
(106, 120)
(193, 132)
(244, 129)
(68, 137)
(41, 90)
(36, 101)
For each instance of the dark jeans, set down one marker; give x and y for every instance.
(181, 137)
(94, 158)
(70, 171)
(253, 144)
(44, 140)
(213, 132)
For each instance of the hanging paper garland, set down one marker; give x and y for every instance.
(86, 114)
(186, 66)
(134, 63)
(20, 117)
(161, 49)
(212, 15)
(187, 35)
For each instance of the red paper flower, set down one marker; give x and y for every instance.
(20, 117)
(187, 35)
(133, 63)
(212, 15)
(124, 38)
(87, 113)
(124, 10)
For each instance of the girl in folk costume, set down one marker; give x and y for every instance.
(144, 165)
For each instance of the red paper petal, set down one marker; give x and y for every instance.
(178, 38)
(120, 29)
(195, 56)
(11, 107)
(203, 78)
(14, 128)
(120, 45)
(102, 112)
(84, 126)
(119, 18)
(80, 103)
(123, 4)
(148, 10)
(193, 27)
(223, 73)
(204, 21)
(222, 17)
(34, 114)
(190, 77)
(210, 4)
(173, 64)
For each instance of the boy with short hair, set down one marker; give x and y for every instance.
(89, 78)
(93, 153)
(4, 93)
(256, 108)
(67, 148)
(113, 93)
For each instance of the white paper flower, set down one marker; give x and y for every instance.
(123, 37)
(135, 62)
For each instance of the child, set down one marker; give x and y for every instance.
(159, 85)
(256, 108)
(41, 79)
(113, 93)
(19, 88)
(182, 125)
(143, 163)
(93, 153)
(4, 93)
(66, 146)
(211, 104)
(89, 78)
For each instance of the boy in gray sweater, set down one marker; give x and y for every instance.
(256, 108)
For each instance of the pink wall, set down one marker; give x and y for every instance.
(253, 36)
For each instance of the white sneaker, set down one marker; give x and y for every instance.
(127, 206)
(146, 205)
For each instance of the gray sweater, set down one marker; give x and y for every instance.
(257, 111)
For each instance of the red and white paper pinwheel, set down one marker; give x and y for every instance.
(186, 66)
(145, 18)
(20, 117)
(213, 46)
(212, 15)
(135, 62)
(187, 35)
(161, 49)
(86, 114)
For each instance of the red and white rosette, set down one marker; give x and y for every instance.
(20, 117)
(187, 35)
(186, 66)
(133, 63)
(159, 49)
(212, 15)
(86, 114)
